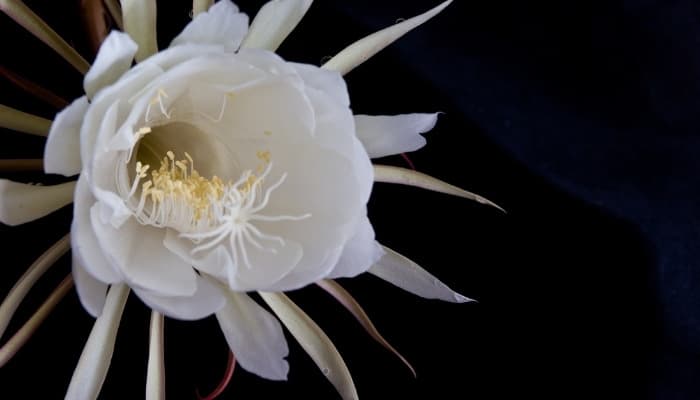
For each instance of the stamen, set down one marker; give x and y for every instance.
(209, 212)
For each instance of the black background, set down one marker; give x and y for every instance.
(580, 118)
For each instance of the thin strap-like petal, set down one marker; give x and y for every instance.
(403, 176)
(140, 23)
(314, 341)
(21, 203)
(24, 16)
(274, 22)
(23, 122)
(27, 330)
(345, 298)
(33, 88)
(91, 371)
(155, 380)
(200, 6)
(22, 164)
(409, 276)
(29, 278)
(363, 49)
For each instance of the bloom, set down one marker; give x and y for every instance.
(215, 168)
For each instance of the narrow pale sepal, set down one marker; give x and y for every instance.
(94, 361)
(21, 121)
(24, 16)
(274, 22)
(254, 336)
(16, 342)
(350, 304)
(385, 135)
(155, 378)
(200, 6)
(363, 49)
(409, 276)
(29, 278)
(62, 150)
(21, 164)
(139, 18)
(314, 341)
(113, 59)
(21, 202)
(403, 176)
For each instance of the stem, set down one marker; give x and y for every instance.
(21, 121)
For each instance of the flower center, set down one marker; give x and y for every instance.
(208, 210)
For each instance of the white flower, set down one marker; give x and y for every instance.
(215, 168)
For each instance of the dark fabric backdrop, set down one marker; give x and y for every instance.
(580, 118)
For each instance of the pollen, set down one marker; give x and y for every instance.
(179, 196)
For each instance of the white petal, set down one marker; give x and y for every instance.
(255, 337)
(274, 22)
(62, 151)
(206, 300)
(387, 135)
(314, 341)
(138, 252)
(21, 203)
(84, 242)
(140, 23)
(326, 81)
(363, 49)
(359, 254)
(113, 60)
(91, 292)
(409, 276)
(223, 24)
(97, 354)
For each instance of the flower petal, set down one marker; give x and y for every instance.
(113, 60)
(387, 135)
(274, 22)
(255, 337)
(86, 248)
(359, 254)
(138, 252)
(314, 341)
(62, 151)
(21, 203)
(326, 81)
(409, 276)
(96, 356)
(91, 292)
(363, 49)
(223, 24)
(206, 300)
(140, 23)
(403, 176)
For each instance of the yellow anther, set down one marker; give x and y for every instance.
(170, 155)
